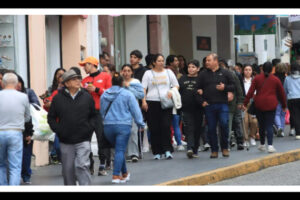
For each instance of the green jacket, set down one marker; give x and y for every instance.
(238, 94)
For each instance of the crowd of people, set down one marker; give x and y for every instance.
(171, 102)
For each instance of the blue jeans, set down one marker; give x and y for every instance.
(280, 117)
(26, 163)
(217, 113)
(265, 122)
(56, 148)
(118, 136)
(177, 132)
(11, 151)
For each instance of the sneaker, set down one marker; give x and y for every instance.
(292, 132)
(180, 148)
(134, 159)
(225, 153)
(232, 143)
(102, 172)
(262, 147)
(117, 179)
(157, 157)
(214, 155)
(168, 155)
(183, 143)
(126, 177)
(298, 137)
(27, 181)
(240, 147)
(195, 155)
(189, 154)
(280, 133)
(271, 149)
(252, 142)
(206, 147)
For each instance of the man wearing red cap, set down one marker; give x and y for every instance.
(96, 83)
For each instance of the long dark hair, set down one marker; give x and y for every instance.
(54, 82)
(23, 89)
(267, 67)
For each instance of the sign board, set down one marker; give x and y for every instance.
(254, 24)
(294, 18)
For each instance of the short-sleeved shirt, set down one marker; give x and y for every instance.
(162, 81)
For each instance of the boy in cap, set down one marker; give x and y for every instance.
(72, 116)
(96, 83)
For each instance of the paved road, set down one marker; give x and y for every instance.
(286, 174)
(150, 172)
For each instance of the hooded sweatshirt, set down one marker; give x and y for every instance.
(292, 85)
(124, 107)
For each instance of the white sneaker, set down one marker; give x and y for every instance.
(298, 137)
(157, 157)
(206, 145)
(252, 142)
(180, 148)
(271, 149)
(183, 143)
(262, 147)
(292, 132)
(174, 141)
(126, 179)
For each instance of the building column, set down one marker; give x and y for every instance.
(37, 53)
(155, 34)
(106, 26)
(74, 40)
(38, 70)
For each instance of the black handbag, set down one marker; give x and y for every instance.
(252, 110)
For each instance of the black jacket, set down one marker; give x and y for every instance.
(208, 80)
(139, 73)
(73, 121)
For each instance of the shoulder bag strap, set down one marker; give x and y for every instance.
(110, 103)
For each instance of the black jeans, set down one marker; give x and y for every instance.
(294, 108)
(159, 123)
(192, 123)
(265, 122)
(104, 151)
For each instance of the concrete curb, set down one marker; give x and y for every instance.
(236, 170)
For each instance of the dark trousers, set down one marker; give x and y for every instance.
(265, 122)
(104, 152)
(26, 162)
(237, 126)
(159, 123)
(294, 108)
(192, 123)
(217, 113)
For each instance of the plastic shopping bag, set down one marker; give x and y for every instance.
(287, 117)
(41, 128)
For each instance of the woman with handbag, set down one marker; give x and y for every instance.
(118, 107)
(268, 87)
(158, 106)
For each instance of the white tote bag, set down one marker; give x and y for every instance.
(41, 128)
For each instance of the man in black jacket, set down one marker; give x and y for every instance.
(214, 84)
(72, 116)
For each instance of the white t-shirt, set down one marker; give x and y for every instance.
(163, 81)
(247, 84)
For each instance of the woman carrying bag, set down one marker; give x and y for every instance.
(159, 105)
(268, 88)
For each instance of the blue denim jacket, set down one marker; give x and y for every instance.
(122, 110)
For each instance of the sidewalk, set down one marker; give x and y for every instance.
(164, 172)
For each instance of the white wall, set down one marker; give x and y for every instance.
(204, 25)
(165, 35)
(53, 46)
(136, 35)
(92, 36)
